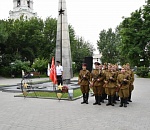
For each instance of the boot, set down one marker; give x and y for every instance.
(125, 102)
(104, 96)
(96, 100)
(99, 99)
(87, 97)
(84, 101)
(129, 98)
(109, 101)
(112, 100)
(121, 103)
(117, 98)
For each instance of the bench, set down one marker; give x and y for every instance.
(36, 74)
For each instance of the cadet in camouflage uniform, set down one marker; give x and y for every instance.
(131, 86)
(84, 81)
(123, 81)
(110, 85)
(97, 82)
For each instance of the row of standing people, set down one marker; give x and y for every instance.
(107, 81)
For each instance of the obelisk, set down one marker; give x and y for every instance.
(63, 50)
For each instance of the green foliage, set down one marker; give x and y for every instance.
(5, 71)
(135, 35)
(142, 71)
(48, 44)
(81, 49)
(40, 65)
(107, 45)
(29, 40)
(74, 67)
(17, 67)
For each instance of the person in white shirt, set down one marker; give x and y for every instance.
(59, 73)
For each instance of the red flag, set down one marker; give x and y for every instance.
(53, 72)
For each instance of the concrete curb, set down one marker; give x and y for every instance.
(51, 98)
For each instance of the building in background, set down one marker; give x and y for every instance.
(96, 58)
(22, 8)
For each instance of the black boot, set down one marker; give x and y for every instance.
(99, 100)
(84, 100)
(121, 103)
(87, 97)
(104, 96)
(125, 102)
(109, 101)
(112, 100)
(129, 98)
(117, 98)
(96, 100)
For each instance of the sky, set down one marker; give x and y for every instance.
(88, 17)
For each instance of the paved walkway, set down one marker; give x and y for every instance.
(15, 81)
(44, 114)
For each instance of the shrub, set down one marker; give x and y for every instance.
(142, 71)
(18, 66)
(5, 71)
(40, 65)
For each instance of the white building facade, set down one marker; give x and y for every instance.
(96, 58)
(22, 8)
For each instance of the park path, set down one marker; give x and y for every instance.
(17, 113)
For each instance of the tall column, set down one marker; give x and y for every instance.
(63, 50)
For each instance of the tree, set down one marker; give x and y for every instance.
(81, 50)
(135, 34)
(107, 46)
(47, 47)
(27, 40)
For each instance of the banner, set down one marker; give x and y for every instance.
(52, 76)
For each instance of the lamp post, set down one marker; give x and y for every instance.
(0, 59)
(12, 66)
(147, 1)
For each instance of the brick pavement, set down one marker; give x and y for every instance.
(45, 114)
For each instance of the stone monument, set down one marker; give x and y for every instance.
(63, 50)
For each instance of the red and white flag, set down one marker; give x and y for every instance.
(52, 76)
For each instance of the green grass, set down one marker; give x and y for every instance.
(76, 74)
(76, 93)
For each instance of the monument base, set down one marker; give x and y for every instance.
(66, 81)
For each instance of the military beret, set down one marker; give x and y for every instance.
(97, 63)
(84, 64)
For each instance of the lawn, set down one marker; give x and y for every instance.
(76, 93)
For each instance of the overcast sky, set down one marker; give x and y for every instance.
(88, 17)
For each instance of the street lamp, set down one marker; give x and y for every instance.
(12, 66)
(0, 58)
(147, 1)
